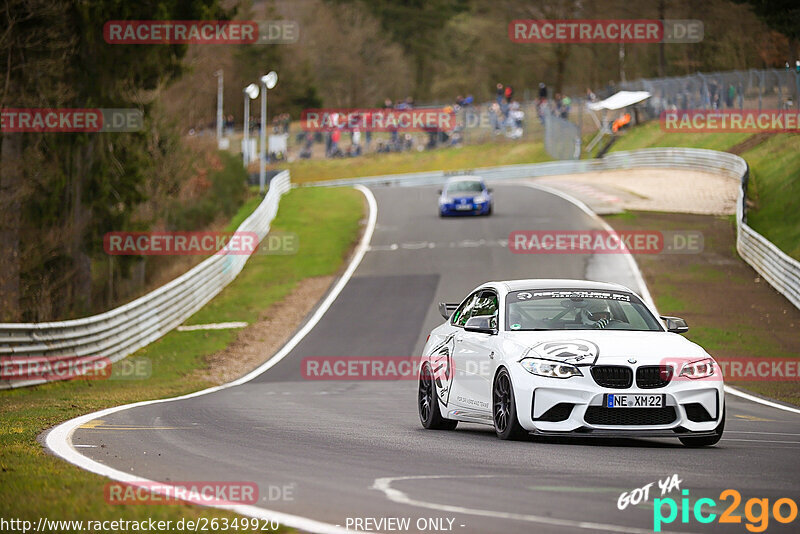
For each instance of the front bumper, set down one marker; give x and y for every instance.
(471, 209)
(575, 406)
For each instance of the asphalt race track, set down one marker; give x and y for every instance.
(356, 449)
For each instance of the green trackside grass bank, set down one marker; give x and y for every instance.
(774, 187)
(34, 484)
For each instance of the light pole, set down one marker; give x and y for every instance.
(250, 92)
(268, 81)
(218, 74)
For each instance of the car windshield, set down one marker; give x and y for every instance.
(465, 187)
(569, 309)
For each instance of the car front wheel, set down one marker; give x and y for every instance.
(504, 409)
(428, 404)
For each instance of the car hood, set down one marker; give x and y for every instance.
(462, 196)
(585, 347)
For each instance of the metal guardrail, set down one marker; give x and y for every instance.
(775, 266)
(119, 332)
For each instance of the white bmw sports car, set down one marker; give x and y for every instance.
(568, 357)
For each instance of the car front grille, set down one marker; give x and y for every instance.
(613, 376)
(600, 415)
(653, 376)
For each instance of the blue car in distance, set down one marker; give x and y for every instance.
(465, 195)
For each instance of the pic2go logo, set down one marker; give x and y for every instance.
(783, 511)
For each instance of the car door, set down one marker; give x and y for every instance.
(443, 356)
(474, 357)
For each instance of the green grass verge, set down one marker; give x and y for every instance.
(35, 484)
(775, 190)
(650, 135)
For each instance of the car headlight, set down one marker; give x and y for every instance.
(699, 369)
(549, 368)
(479, 200)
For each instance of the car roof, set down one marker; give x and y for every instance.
(558, 283)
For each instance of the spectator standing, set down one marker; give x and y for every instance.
(543, 109)
(499, 95)
(355, 147)
(367, 116)
(566, 105)
(494, 117)
(557, 102)
(336, 135)
(387, 106)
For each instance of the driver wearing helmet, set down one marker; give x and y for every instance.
(596, 314)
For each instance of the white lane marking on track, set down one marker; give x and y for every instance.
(637, 274)
(430, 245)
(397, 496)
(761, 440)
(59, 439)
(755, 432)
(759, 400)
(643, 287)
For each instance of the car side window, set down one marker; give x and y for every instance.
(464, 311)
(486, 306)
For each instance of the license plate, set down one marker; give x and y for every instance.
(463, 207)
(616, 400)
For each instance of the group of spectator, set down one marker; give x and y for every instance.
(505, 113)
(560, 105)
(280, 123)
(506, 117)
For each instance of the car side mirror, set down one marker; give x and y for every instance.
(482, 325)
(675, 325)
(440, 191)
(490, 190)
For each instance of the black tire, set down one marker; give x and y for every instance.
(428, 404)
(706, 441)
(504, 409)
